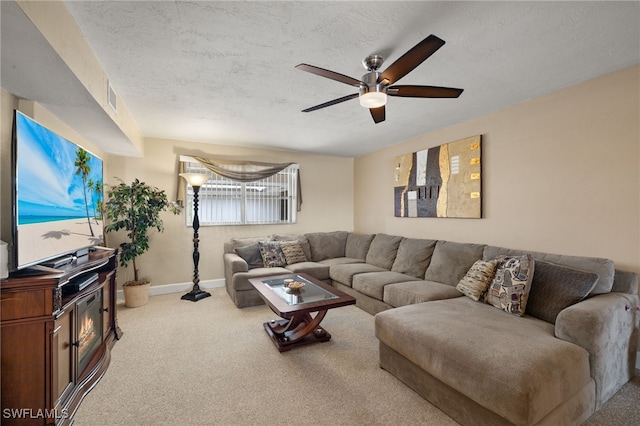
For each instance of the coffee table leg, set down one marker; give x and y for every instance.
(299, 330)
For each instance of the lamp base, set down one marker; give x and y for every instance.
(195, 295)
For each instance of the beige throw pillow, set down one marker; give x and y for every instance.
(477, 279)
(293, 252)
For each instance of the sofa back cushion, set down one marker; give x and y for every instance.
(414, 256)
(302, 239)
(451, 261)
(234, 243)
(604, 268)
(358, 245)
(625, 282)
(327, 245)
(383, 250)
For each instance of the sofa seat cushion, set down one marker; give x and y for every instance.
(513, 366)
(240, 280)
(341, 261)
(344, 273)
(315, 269)
(372, 283)
(411, 292)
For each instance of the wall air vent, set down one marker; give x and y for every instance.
(112, 98)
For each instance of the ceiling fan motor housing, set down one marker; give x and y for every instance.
(372, 93)
(371, 84)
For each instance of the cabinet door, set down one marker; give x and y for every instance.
(24, 386)
(63, 353)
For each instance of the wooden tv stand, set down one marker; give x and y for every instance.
(57, 333)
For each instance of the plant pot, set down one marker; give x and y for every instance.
(136, 294)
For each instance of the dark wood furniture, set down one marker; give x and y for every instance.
(298, 327)
(57, 333)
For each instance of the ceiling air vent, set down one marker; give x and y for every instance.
(112, 98)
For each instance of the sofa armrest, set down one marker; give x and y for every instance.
(606, 326)
(234, 263)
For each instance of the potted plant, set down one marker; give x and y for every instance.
(135, 208)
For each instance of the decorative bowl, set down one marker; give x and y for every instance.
(293, 286)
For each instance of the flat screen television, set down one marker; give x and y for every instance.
(57, 197)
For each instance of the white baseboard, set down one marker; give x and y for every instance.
(155, 290)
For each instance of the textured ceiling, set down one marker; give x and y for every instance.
(223, 72)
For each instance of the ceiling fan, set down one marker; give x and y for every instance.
(375, 86)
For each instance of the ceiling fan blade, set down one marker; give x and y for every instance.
(378, 114)
(424, 92)
(333, 102)
(330, 74)
(414, 57)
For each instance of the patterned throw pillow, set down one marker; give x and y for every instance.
(477, 279)
(510, 287)
(272, 255)
(293, 252)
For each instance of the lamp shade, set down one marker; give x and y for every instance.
(373, 99)
(195, 179)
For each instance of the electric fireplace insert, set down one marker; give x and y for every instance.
(89, 327)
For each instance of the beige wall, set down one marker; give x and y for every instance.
(327, 187)
(560, 174)
(57, 25)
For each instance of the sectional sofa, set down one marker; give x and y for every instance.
(488, 334)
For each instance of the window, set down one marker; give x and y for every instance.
(223, 201)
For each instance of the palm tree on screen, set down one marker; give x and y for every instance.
(95, 189)
(98, 189)
(83, 168)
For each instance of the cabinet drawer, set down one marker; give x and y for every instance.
(25, 304)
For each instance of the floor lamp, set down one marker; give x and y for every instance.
(196, 180)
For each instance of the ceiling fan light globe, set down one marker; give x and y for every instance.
(373, 99)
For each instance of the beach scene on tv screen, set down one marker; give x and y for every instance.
(59, 194)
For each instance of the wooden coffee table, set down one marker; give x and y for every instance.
(298, 327)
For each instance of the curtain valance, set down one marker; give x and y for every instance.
(243, 171)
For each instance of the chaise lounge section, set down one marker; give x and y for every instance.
(553, 356)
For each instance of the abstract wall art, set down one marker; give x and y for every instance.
(444, 181)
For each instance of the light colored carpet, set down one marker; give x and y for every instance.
(210, 363)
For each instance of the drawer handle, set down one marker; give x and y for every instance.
(104, 309)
